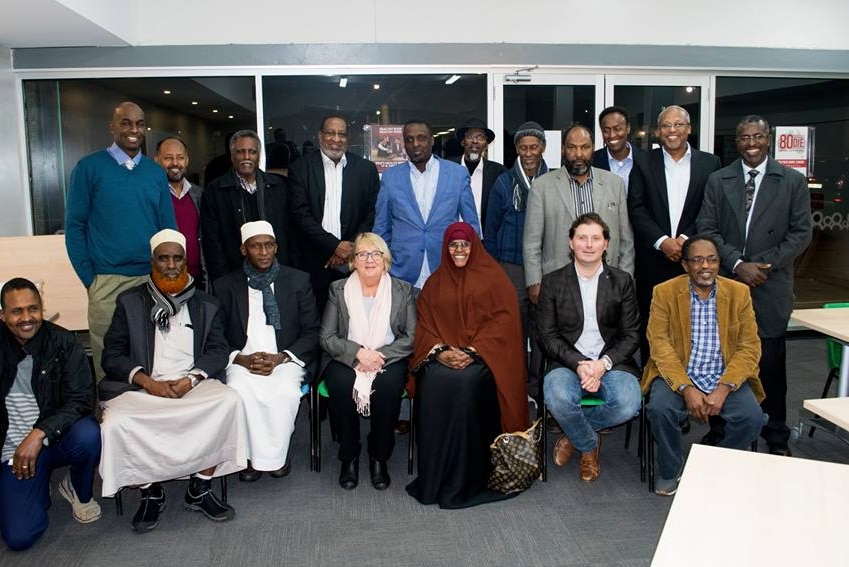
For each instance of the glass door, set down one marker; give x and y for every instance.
(553, 100)
(645, 96)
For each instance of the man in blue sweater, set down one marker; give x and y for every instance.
(117, 200)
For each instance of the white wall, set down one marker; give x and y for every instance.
(14, 200)
(814, 24)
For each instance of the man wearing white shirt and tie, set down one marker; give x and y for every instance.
(759, 211)
(117, 200)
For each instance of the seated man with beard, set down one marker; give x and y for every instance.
(165, 413)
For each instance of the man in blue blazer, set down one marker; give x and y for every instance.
(416, 203)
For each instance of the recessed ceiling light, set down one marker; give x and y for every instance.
(166, 92)
(689, 89)
(194, 103)
(376, 86)
(231, 116)
(214, 110)
(148, 128)
(452, 79)
(343, 82)
(377, 112)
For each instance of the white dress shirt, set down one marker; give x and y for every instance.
(677, 183)
(424, 189)
(331, 220)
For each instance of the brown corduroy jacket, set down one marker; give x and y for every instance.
(669, 331)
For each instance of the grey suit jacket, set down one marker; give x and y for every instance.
(334, 326)
(551, 211)
(779, 231)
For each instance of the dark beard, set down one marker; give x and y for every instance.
(169, 286)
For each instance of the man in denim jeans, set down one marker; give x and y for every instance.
(588, 328)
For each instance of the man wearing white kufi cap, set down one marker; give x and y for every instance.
(166, 413)
(271, 325)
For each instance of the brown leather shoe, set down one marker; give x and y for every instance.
(563, 451)
(590, 467)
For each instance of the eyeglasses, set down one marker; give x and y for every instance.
(363, 256)
(699, 260)
(340, 135)
(459, 245)
(673, 125)
(756, 137)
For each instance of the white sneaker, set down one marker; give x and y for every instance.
(84, 513)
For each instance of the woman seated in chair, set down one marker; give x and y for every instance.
(367, 331)
(469, 372)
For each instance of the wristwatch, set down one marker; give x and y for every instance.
(608, 364)
(193, 380)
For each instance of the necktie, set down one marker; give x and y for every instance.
(130, 164)
(750, 190)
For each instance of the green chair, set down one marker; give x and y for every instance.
(835, 354)
(321, 390)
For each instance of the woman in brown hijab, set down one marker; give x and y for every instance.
(469, 372)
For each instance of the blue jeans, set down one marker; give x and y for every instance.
(24, 503)
(619, 390)
(666, 410)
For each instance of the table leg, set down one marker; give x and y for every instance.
(843, 379)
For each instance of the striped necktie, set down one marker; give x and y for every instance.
(750, 190)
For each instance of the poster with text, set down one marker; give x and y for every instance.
(793, 147)
(384, 145)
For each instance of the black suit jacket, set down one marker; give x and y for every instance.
(129, 341)
(560, 317)
(648, 208)
(779, 231)
(491, 171)
(298, 317)
(223, 214)
(360, 184)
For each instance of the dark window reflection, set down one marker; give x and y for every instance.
(822, 273)
(68, 119)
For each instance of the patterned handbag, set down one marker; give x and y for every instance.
(516, 459)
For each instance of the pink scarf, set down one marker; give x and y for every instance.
(370, 332)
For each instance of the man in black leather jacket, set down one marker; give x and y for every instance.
(45, 418)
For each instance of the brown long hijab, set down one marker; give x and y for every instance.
(476, 306)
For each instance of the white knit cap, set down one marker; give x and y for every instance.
(167, 235)
(255, 228)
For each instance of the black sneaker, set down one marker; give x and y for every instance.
(152, 504)
(199, 498)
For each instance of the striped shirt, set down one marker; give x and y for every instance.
(582, 193)
(22, 408)
(706, 365)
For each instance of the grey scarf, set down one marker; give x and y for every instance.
(166, 306)
(262, 281)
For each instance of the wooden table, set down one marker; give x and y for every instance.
(835, 410)
(738, 508)
(835, 324)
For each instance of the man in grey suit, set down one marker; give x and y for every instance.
(759, 212)
(557, 198)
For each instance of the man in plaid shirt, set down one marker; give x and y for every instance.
(704, 345)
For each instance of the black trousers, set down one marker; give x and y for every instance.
(388, 387)
(773, 373)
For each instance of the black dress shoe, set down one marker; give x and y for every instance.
(379, 474)
(285, 469)
(349, 476)
(250, 474)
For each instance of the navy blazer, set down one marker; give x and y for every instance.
(298, 316)
(560, 317)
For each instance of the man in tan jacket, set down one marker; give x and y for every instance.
(704, 346)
